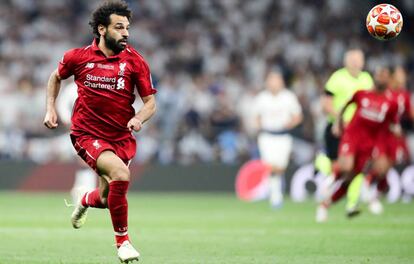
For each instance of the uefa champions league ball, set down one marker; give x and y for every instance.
(384, 22)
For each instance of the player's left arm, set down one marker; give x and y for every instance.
(145, 113)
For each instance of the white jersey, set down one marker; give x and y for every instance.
(65, 103)
(276, 110)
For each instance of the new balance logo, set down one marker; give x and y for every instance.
(90, 65)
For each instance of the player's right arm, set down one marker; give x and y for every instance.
(64, 70)
(53, 88)
(338, 126)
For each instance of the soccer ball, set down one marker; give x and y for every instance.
(384, 22)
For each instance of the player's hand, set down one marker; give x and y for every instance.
(50, 120)
(134, 124)
(336, 129)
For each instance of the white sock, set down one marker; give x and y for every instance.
(276, 196)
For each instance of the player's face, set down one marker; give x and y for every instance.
(116, 35)
(274, 82)
(354, 59)
(400, 77)
(382, 78)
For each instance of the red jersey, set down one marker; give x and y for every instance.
(375, 112)
(403, 99)
(105, 89)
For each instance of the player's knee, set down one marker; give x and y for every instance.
(120, 174)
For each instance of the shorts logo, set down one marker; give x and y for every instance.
(96, 144)
(90, 65)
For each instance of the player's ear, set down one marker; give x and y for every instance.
(101, 30)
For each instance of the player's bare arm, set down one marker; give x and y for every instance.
(146, 112)
(295, 121)
(338, 126)
(53, 87)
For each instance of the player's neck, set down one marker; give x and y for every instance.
(105, 50)
(354, 73)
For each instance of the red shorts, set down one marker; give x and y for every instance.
(394, 147)
(89, 148)
(359, 146)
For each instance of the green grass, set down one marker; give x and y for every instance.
(202, 228)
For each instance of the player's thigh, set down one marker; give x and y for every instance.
(346, 162)
(381, 164)
(110, 166)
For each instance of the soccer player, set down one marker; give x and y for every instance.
(375, 112)
(339, 88)
(391, 149)
(85, 179)
(106, 73)
(277, 111)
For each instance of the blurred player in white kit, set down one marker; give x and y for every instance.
(85, 178)
(277, 111)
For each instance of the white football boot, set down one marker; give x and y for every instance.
(127, 253)
(79, 215)
(321, 214)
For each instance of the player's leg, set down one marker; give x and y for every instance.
(345, 174)
(353, 194)
(95, 198)
(381, 165)
(85, 180)
(278, 160)
(112, 168)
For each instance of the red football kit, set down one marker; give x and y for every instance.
(393, 146)
(105, 97)
(375, 113)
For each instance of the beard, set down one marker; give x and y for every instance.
(113, 44)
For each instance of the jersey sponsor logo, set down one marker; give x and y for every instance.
(374, 114)
(100, 82)
(90, 65)
(120, 83)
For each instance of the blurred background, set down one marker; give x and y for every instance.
(208, 60)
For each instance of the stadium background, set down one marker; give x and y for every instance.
(208, 60)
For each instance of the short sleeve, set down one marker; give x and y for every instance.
(66, 65)
(331, 86)
(143, 80)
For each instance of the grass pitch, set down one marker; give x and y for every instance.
(202, 228)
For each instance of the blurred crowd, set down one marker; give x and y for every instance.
(208, 60)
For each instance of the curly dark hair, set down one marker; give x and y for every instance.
(101, 15)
